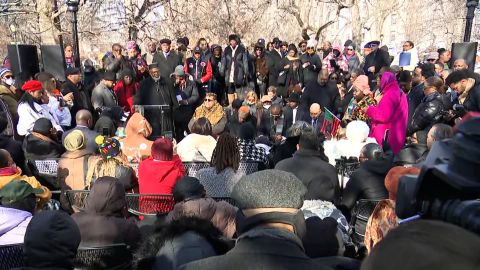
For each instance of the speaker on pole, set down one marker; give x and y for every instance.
(23, 60)
(53, 60)
(466, 51)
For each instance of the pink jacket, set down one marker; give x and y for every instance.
(390, 113)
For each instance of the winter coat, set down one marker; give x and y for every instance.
(135, 145)
(13, 224)
(72, 169)
(310, 73)
(81, 98)
(367, 182)
(36, 148)
(239, 59)
(414, 98)
(102, 222)
(218, 184)
(16, 151)
(7, 178)
(472, 101)
(28, 116)
(159, 177)
(261, 249)
(315, 93)
(274, 63)
(125, 94)
(10, 100)
(199, 69)
(378, 59)
(353, 62)
(103, 98)
(179, 242)
(390, 113)
(167, 65)
(221, 214)
(116, 65)
(294, 77)
(196, 148)
(428, 113)
(319, 177)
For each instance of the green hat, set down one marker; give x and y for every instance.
(16, 191)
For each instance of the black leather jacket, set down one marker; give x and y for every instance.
(429, 112)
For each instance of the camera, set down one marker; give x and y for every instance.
(61, 102)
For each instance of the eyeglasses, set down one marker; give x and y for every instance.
(208, 100)
(303, 46)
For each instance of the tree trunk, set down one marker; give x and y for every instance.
(49, 27)
(357, 24)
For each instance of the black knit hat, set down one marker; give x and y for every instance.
(42, 126)
(269, 189)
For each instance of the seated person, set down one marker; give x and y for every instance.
(111, 162)
(135, 145)
(10, 172)
(213, 111)
(73, 164)
(223, 174)
(287, 148)
(56, 232)
(12, 146)
(159, 173)
(246, 145)
(18, 204)
(103, 222)
(42, 142)
(105, 125)
(197, 146)
(191, 200)
(272, 123)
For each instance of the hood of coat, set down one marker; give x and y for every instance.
(138, 126)
(51, 241)
(107, 197)
(379, 167)
(11, 218)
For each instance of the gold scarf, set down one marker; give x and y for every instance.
(214, 114)
(42, 137)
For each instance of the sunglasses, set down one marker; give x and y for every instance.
(208, 100)
(303, 46)
(349, 49)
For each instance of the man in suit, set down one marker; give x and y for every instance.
(273, 123)
(315, 118)
(274, 65)
(292, 112)
(167, 60)
(84, 121)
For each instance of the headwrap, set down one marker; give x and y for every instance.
(108, 147)
(361, 83)
(131, 45)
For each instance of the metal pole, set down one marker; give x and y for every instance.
(75, 40)
(471, 5)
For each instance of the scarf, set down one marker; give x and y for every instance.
(214, 114)
(7, 171)
(42, 137)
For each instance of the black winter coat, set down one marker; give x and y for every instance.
(367, 182)
(240, 63)
(472, 101)
(36, 148)
(414, 98)
(274, 63)
(316, 93)
(15, 149)
(168, 65)
(318, 176)
(310, 73)
(428, 113)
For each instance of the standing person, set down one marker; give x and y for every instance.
(374, 61)
(187, 96)
(221, 177)
(81, 98)
(421, 74)
(104, 98)
(444, 57)
(217, 83)
(408, 58)
(362, 98)
(8, 93)
(200, 69)
(335, 62)
(261, 69)
(125, 89)
(155, 90)
(69, 59)
(391, 113)
(30, 108)
(202, 43)
(351, 55)
(235, 68)
(326, 49)
(274, 63)
(115, 61)
(137, 63)
(167, 60)
(319, 91)
(292, 66)
(310, 62)
(151, 51)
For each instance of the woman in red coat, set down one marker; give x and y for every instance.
(159, 173)
(125, 89)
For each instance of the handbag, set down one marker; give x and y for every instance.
(282, 78)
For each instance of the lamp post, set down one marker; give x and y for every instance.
(471, 6)
(73, 7)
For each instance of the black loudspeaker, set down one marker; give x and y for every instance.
(23, 60)
(466, 51)
(53, 60)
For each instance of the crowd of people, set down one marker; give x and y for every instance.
(300, 113)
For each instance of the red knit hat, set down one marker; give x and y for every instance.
(162, 149)
(32, 86)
